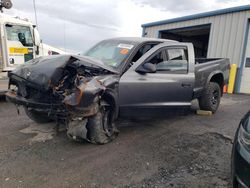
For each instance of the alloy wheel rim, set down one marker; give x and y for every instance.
(215, 97)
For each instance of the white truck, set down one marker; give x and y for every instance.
(19, 42)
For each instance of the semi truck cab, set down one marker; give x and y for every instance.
(19, 42)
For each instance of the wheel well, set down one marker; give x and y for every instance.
(219, 79)
(111, 101)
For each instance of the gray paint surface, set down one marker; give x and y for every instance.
(131, 88)
(163, 90)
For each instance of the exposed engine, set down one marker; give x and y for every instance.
(67, 89)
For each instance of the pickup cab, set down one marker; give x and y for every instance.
(117, 77)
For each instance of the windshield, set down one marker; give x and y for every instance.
(19, 33)
(111, 52)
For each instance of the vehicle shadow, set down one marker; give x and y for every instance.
(140, 122)
(2, 98)
(172, 112)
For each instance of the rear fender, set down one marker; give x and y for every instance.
(220, 82)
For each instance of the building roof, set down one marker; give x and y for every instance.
(200, 15)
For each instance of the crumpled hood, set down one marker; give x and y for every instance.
(46, 71)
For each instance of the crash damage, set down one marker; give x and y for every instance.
(77, 91)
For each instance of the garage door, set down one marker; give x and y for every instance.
(245, 79)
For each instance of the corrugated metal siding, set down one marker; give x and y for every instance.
(1, 50)
(226, 36)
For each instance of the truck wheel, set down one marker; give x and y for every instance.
(101, 127)
(210, 99)
(38, 117)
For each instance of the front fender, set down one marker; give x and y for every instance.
(111, 97)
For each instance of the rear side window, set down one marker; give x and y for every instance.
(177, 54)
(174, 61)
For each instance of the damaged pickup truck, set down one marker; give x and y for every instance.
(117, 77)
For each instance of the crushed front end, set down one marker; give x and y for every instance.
(65, 89)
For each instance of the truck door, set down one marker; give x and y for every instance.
(171, 85)
(19, 42)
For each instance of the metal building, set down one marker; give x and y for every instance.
(217, 34)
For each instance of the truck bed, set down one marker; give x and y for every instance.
(205, 68)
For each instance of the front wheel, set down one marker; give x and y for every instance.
(210, 99)
(101, 127)
(36, 116)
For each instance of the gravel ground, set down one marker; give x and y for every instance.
(178, 151)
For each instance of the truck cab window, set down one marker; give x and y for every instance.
(159, 58)
(175, 62)
(145, 48)
(19, 33)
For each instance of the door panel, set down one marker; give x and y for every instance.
(154, 90)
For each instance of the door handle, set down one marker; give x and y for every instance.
(186, 85)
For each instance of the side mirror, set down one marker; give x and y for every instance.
(146, 68)
(37, 39)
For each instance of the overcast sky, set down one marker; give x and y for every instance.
(78, 24)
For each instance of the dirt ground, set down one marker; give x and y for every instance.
(178, 151)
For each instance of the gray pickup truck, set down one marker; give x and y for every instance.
(117, 77)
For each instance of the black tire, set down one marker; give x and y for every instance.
(101, 127)
(38, 117)
(210, 99)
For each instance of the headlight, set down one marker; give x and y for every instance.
(244, 132)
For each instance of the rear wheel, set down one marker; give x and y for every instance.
(101, 127)
(210, 99)
(36, 116)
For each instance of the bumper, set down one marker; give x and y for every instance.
(242, 164)
(53, 108)
(12, 97)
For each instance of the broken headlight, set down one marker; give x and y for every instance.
(244, 131)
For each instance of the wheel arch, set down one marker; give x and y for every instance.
(109, 97)
(218, 78)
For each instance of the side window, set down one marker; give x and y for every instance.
(175, 62)
(159, 58)
(19, 33)
(142, 51)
